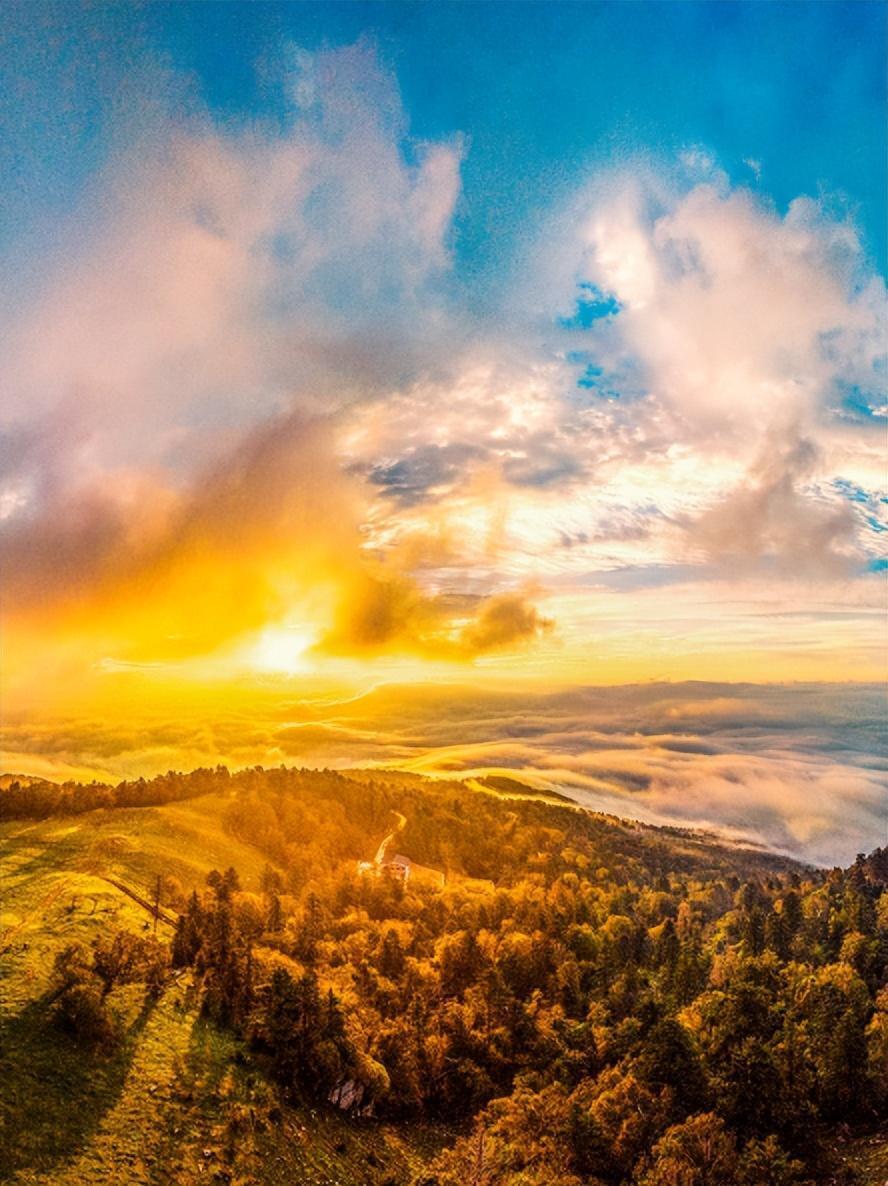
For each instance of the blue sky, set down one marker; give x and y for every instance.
(544, 93)
(586, 297)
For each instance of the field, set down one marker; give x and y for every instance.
(176, 1101)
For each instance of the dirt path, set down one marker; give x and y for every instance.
(380, 852)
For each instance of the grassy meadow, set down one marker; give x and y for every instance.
(175, 1101)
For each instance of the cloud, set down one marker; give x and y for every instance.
(425, 472)
(797, 767)
(738, 315)
(234, 272)
(257, 420)
(769, 519)
(269, 533)
(721, 335)
(502, 621)
(541, 460)
(744, 329)
(393, 615)
(141, 570)
(169, 479)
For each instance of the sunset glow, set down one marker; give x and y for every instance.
(273, 414)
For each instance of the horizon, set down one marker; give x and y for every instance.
(796, 768)
(362, 346)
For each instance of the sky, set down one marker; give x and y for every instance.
(494, 346)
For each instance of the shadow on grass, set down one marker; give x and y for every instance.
(208, 1079)
(54, 1091)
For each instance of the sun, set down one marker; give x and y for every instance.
(281, 649)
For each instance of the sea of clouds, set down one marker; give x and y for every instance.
(801, 768)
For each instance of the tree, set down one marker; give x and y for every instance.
(84, 979)
(391, 955)
(310, 931)
(126, 958)
(699, 1152)
(669, 1059)
(834, 1004)
(81, 1012)
(765, 1163)
(188, 934)
(305, 1033)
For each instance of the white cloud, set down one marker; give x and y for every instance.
(232, 273)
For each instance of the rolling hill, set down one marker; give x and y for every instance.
(182, 1097)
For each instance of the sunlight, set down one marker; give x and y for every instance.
(281, 649)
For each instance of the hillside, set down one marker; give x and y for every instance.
(542, 974)
(23, 780)
(150, 1112)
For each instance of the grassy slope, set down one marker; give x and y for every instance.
(176, 1088)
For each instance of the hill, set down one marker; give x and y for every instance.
(543, 974)
(159, 1108)
(23, 780)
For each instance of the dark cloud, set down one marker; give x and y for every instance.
(541, 471)
(543, 461)
(393, 615)
(501, 622)
(573, 539)
(424, 473)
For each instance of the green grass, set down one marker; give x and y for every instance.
(176, 1101)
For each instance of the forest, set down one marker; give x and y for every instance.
(578, 999)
